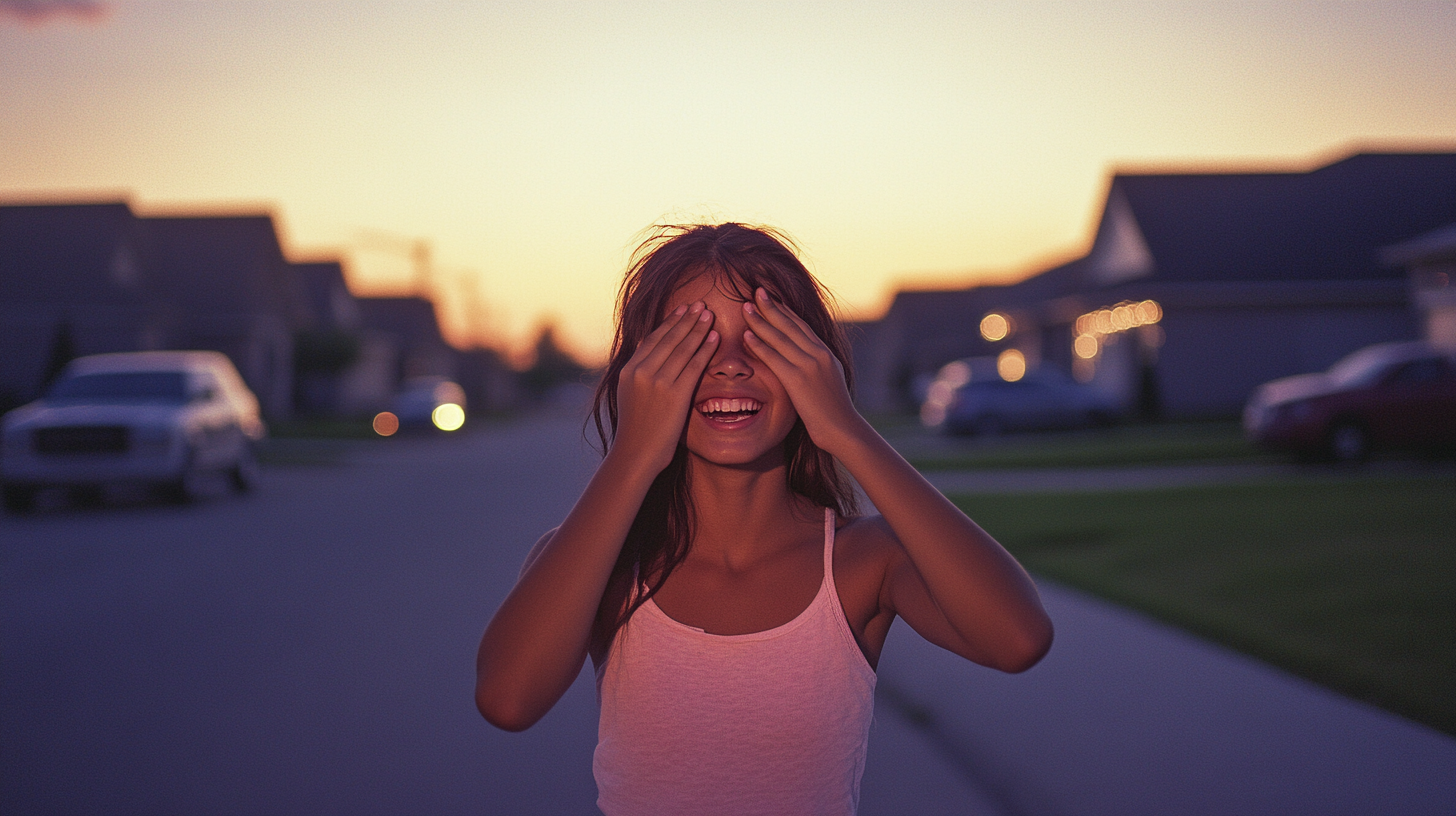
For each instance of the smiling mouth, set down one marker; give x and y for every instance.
(729, 410)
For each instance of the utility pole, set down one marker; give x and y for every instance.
(415, 250)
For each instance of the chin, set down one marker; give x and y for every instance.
(739, 458)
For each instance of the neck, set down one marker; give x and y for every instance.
(742, 513)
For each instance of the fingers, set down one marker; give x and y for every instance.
(679, 348)
(681, 361)
(658, 346)
(700, 359)
(765, 352)
(780, 327)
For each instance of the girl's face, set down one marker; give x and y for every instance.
(741, 412)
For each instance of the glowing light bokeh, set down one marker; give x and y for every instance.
(995, 327)
(955, 373)
(1011, 365)
(448, 417)
(1086, 346)
(1149, 312)
(386, 423)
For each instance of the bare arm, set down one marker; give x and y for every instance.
(535, 644)
(957, 586)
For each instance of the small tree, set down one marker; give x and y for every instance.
(553, 366)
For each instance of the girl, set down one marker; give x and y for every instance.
(716, 570)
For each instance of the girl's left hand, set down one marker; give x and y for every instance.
(808, 370)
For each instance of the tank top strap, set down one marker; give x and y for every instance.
(829, 547)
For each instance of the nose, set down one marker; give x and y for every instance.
(731, 361)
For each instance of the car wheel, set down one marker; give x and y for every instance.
(19, 498)
(1349, 443)
(184, 489)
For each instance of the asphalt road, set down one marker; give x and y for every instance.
(306, 649)
(309, 649)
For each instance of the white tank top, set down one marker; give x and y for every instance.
(773, 722)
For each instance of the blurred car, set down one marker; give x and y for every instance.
(970, 397)
(164, 418)
(1390, 395)
(430, 402)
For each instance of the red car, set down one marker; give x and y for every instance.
(1390, 395)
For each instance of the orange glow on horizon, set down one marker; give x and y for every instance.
(528, 145)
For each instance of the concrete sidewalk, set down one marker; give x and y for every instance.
(1129, 716)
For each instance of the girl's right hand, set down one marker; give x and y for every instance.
(655, 388)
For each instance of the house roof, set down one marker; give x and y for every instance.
(70, 253)
(1327, 224)
(412, 319)
(327, 295)
(225, 264)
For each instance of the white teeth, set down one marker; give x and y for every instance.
(729, 406)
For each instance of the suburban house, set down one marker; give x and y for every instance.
(411, 325)
(1197, 287)
(222, 283)
(340, 367)
(89, 278)
(72, 281)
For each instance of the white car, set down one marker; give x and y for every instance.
(970, 397)
(164, 418)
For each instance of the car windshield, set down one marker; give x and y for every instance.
(1360, 368)
(130, 386)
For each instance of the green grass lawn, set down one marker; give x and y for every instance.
(1351, 584)
(1118, 445)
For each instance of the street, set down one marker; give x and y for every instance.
(305, 649)
(309, 648)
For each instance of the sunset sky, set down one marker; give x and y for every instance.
(901, 144)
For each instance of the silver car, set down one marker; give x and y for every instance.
(164, 418)
(970, 397)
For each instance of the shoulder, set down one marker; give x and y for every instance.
(866, 555)
(867, 544)
(538, 547)
(867, 536)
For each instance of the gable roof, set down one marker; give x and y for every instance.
(327, 296)
(70, 253)
(1327, 224)
(411, 319)
(225, 264)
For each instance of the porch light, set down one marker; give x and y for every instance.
(1011, 365)
(995, 326)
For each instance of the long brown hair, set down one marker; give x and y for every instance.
(741, 258)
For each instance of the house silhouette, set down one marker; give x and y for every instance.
(1258, 275)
